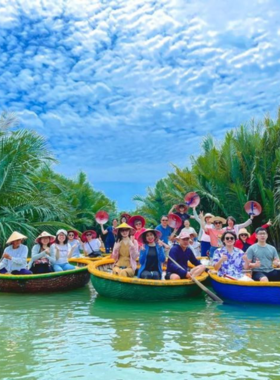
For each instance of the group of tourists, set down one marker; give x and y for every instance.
(49, 253)
(232, 251)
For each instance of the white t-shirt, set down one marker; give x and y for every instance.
(64, 250)
(18, 261)
(189, 230)
(92, 246)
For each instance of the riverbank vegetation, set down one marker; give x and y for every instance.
(244, 166)
(33, 197)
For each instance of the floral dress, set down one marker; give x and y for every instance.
(234, 264)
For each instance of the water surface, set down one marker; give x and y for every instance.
(78, 335)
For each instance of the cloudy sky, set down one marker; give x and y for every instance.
(121, 89)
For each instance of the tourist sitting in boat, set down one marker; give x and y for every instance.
(61, 251)
(125, 251)
(179, 255)
(137, 222)
(41, 259)
(14, 259)
(202, 236)
(110, 235)
(262, 257)
(230, 261)
(188, 229)
(73, 240)
(125, 217)
(214, 233)
(245, 240)
(181, 211)
(232, 226)
(166, 231)
(152, 255)
(91, 244)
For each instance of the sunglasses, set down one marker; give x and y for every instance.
(229, 238)
(88, 234)
(243, 235)
(217, 222)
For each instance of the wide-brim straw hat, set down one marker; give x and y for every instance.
(45, 234)
(218, 219)
(76, 234)
(16, 236)
(140, 237)
(243, 231)
(133, 219)
(208, 215)
(84, 238)
(179, 205)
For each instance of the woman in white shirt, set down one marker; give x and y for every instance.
(41, 259)
(92, 245)
(73, 240)
(14, 259)
(61, 251)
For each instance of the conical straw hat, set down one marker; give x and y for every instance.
(45, 234)
(15, 236)
(124, 226)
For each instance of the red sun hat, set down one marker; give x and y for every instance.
(76, 234)
(136, 217)
(179, 205)
(253, 208)
(102, 217)
(174, 221)
(140, 237)
(192, 199)
(84, 238)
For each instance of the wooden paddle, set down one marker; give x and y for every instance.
(212, 295)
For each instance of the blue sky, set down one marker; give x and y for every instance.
(121, 89)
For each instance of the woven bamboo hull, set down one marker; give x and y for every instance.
(246, 292)
(44, 283)
(109, 285)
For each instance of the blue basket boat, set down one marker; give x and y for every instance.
(246, 291)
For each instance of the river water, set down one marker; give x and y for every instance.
(79, 335)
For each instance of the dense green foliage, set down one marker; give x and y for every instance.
(32, 196)
(244, 166)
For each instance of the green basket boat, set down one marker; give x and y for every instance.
(109, 285)
(48, 282)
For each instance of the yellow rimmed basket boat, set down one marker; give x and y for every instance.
(47, 282)
(246, 291)
(109, 285)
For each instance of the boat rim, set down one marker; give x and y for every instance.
(251, 284)
(92, 268)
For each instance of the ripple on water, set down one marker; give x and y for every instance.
(78, 335)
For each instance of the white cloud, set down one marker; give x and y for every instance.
(124, 88)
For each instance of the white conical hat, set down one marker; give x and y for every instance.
(15, 236)
(45, 234)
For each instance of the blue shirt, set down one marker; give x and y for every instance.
(165, 233)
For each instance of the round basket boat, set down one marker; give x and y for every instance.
(48, 282)
(246, 291)
(109, 285)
